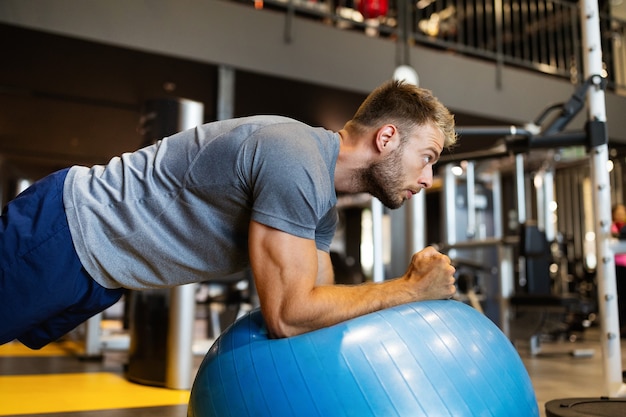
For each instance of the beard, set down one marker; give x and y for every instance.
(383, 179)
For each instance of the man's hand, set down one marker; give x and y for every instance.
(431, 274)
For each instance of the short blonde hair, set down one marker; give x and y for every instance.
(406, 106)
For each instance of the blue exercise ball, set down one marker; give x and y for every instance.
(429, 358)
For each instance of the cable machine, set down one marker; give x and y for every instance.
(595, 138)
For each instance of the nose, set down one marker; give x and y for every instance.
(425, 179)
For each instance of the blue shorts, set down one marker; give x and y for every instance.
(44, 290)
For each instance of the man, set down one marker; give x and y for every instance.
(255, 192)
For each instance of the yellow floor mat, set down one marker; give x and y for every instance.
(35, 394)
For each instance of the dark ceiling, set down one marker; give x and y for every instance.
(66, 101)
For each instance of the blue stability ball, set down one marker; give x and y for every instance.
(430, 358)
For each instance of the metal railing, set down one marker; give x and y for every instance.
(538, 35)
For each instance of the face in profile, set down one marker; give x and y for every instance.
(406, 170)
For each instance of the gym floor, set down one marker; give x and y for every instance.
(56, 381)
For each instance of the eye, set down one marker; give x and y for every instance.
(431, 158)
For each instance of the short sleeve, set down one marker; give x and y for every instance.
(290, 184)
(326, 230)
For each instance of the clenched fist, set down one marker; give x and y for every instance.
(431, 275)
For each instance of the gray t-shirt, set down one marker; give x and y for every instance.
(179, 211)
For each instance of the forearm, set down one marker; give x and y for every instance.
(294, 283)
(331, 304)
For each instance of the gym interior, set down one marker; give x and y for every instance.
(522, 205)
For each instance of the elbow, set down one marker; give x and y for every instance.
(279, 328)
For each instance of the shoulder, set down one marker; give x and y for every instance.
(286, 139)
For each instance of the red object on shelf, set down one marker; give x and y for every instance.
(371, 9)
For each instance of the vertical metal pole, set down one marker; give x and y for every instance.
(519, 188)
(540, 197)
(225, 93)
(498, 12)
(505, 256)
(470, 196)
(179, 360)
(182, 306)
(288, 30)
(449, 203)
(416, 223)
(93, 344)
(507, 287)
(496, 186)
(180, 337)
(607, 289)
(548, 199)
(378, 267)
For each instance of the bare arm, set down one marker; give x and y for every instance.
(294, 283)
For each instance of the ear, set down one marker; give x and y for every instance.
(387, 138)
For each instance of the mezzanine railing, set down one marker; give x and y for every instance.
(539, 35)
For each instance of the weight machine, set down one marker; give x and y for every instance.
(594, 137)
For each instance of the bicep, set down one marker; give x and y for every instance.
(286, 269)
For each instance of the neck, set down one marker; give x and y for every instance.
(352, 158)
